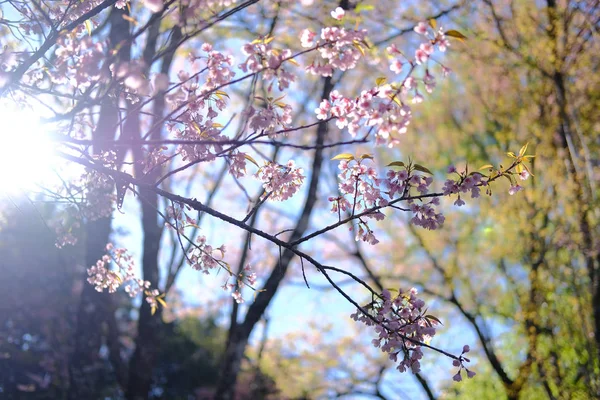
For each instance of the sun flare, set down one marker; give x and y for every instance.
(26, 152)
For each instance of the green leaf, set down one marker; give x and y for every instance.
(343, 156)
(511, 154)
(396, 164)
(252, 160)
(486, 166)
(422, 169)
(369, 156)
(380, 81)
(433, 24)
(456, 34)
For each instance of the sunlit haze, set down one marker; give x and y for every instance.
(26, 153)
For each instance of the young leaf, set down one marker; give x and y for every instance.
(359, 47)
(364, 7)
(252, 160)
(343, 156)
(432, 23)
(523, 150)
(422, 169)
(486, 166)
(396, 164)
(456, 34)
(380, 81)
(431, 317)
(88, 27)
(369, 156)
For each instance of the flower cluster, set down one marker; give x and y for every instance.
(219, 68)
(464, 184)
(382, 107)
(246, 278)
(102, 277)
(274, 114)
(402, 326)
(78, 61)
(280, 182)
(261, 56)
(361, 189)
(426, 49)
(339, 48)
(201, 255)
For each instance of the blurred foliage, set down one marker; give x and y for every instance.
(528, 73)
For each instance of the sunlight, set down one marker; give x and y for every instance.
(26, 153)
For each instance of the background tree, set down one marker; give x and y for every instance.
(108, 73)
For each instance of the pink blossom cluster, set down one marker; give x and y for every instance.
(426, 49)
(99, 190)
(201, 256)
(79, 61)
(339, 48)
(65, 236)
(401, 324)
(102, 277)
(133, 76)
(246, 278)
(465, 183)
(198, 127)
(155, 158)
(237, 164)
(280, 182)
(268, 119)
(361, 189)
(379, 107)
(219, 68)
(261, 56)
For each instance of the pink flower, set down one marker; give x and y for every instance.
(514, 189)
(338, 13)
(307, 38)
(421, 56)
(459, 202)
(421, 28)
(524, 175)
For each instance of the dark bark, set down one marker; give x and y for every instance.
(85, 364)
(149, 326)
(94, 307)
